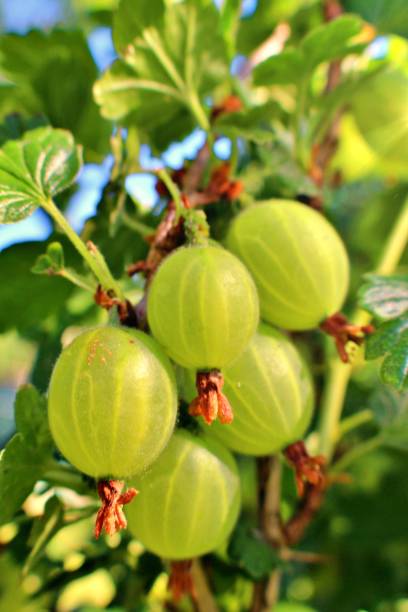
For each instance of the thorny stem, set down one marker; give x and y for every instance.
(93, 257)
(339, 373)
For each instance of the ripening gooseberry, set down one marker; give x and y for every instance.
(189, 501)
(271, 393)
(112, 402)
(381, 112)
(203, 308)
(297, 259)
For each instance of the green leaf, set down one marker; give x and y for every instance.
(253, 124)
(53, 73)
(257, 28)
(282, 69)
(27, 300)
(15, 125)
(43, 530)
(385, 297)
(391, 340)
(24, 458)
(394, 370)
(330, 41)
(52, 262)
(385, 337)
(170, 59)
(230, 13)
(323, 44)
(132, 18)
(39, 166)
(390, 409)
(250, 552)
(390, 16)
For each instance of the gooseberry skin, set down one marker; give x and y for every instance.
(271, 392)
(112, 402)
(381, 112)
(202, 307)
(189, 499)
(297, 259)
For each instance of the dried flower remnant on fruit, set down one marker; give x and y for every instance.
(211, 403)
(180, 580)
(111, 516)
(307, 469)
(343, 332)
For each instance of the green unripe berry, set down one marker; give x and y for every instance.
(189, 499)
(297, 259)
(271, 393)
(202, 307)
(381, 112)
(112, 402)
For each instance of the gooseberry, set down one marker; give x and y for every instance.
(297, 259)
(112, 402)
(189, 500)
(381, 112)
(270, 390)
(203, 308)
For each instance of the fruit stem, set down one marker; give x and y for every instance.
(339, 373)
(90, 254)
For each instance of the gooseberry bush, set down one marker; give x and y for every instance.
(214, 411)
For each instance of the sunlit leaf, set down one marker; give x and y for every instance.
(39, 166)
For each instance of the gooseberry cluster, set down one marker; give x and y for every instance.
(113, 394)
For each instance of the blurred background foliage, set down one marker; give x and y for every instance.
(51, 52)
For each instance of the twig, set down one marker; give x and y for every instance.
(306, 511)
(300, 556)
(204, 599)
(271, 521)
(266, 593)
(323, 152)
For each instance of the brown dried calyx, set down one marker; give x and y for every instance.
(180, 580)
(107, 300)
(343, 332)
(111, 516)
(308, 469)
(211, 403)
